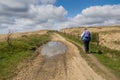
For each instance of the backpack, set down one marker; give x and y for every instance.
(87, 33)
(86, 36)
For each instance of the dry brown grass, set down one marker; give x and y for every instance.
(110, 40)
(18, 35)
(109, 36)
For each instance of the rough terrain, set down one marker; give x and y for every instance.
(68, 66)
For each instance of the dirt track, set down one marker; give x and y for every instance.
(68, 66)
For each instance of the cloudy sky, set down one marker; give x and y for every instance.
(29, 15)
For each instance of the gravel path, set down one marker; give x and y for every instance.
(68, 66)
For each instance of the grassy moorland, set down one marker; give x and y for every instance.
(18, 50)
(109, 57)
(22, 48)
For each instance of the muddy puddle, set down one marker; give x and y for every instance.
(53, 48)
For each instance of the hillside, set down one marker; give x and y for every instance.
(29, 59)
(19, 35)
(108, 36)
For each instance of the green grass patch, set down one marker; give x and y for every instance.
(21, 49)
(110, 58)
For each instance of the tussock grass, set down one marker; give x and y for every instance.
(116, 42)
(21, 49)
(95, 37)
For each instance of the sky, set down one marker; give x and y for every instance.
(76, 6)
(30, 15)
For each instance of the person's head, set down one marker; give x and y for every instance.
(85, 29)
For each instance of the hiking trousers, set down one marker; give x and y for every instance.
(86, 46)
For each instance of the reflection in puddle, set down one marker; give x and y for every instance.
(53, 48)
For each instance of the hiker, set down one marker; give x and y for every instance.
(86, 38)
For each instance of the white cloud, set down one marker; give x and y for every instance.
(102, 11)
(26, 15)
(16, 3)
(46, 1)
(47, 12)
(40, 17)
(99, 15)
(95, 16)
(24, 3)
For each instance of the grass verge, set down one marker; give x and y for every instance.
(21, 49)
(110, 58)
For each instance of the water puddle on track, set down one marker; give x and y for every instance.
(53, 48)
